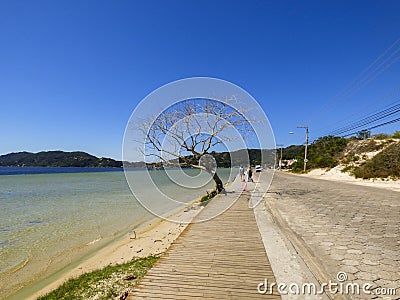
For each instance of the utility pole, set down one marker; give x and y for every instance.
(280, 160)
(305, 152)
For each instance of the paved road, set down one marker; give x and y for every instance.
(340, 227)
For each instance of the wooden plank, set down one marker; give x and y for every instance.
(223, 258)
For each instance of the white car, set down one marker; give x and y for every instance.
(258, 168)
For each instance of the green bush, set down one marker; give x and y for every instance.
(382, 136)
(323, 153)
(367, 146)
(351, 158)
(396, 135)
(384, 164)
(347, 169)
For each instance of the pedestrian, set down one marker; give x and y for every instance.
(250, 175)
(241, 172)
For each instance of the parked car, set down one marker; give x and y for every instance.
(258, 168)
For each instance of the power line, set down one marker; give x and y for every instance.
(395, 94)
(368, 120)
(379, 65)
(376, 115)
(377, 70)
(376, 126)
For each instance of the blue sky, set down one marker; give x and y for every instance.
(72, 72)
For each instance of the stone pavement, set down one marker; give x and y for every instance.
(340, 227)
(223, 258)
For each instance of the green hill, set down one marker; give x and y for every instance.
(83, 159)
(56, 159)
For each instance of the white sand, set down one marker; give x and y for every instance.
(152, 239)
(336, 174)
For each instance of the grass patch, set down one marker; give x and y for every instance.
(204, 200)
(105, 283)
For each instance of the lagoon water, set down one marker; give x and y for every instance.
(48, 220)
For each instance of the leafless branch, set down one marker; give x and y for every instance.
(193, 126)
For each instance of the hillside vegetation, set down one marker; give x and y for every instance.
(374, 157)
(83, 159)
(240, 157)
(56, 159)
(384, 164)
(323, 153)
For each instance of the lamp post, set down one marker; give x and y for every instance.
(305, 152)
(280, 160)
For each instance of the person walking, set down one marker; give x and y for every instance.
(250, 175)
(241, 172)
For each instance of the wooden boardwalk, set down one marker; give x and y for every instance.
(223, 258)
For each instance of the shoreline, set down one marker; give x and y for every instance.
(78, 255)
(152, 238)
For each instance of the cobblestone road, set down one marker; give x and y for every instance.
(342, 228)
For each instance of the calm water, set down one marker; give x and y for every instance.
(51, 170)
(49, 220)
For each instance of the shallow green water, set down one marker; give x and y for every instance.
(49, 220)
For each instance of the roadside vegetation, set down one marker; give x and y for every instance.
(385, 164)
(364, 156)
(107, 283)
(323, 153)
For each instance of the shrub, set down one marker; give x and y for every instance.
(368, 146)
(396, 135)
(381, 136)
(347, 169)
(351, 158)
(384, 164)
(323, 153)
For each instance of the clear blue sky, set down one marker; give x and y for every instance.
(71, 72)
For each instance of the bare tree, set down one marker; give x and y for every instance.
(189, 130)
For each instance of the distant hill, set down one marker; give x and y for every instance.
(291, 152)
(239, 158)
(56, 159)
(83, 159)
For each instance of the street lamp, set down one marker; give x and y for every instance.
(305, 152)
(280, 160)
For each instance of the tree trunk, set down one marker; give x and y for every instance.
(218, 182)
(219, 186)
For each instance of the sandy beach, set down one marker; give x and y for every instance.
(152, 238)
